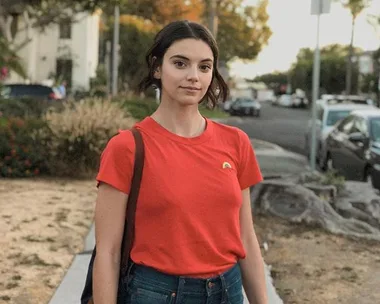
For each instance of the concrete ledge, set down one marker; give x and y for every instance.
(70, 289)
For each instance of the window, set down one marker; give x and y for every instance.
(375, 129)
(334, 116)
(360, 125)
(346, 124)
(65, 29)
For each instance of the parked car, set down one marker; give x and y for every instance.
(227, 105)
(353, 146)
(327, 117)
(284, 100)
(33, 91)
(337, 99)
(245, 106)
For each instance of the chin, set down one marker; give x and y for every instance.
(189, 100)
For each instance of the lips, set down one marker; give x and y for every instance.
(191, 88)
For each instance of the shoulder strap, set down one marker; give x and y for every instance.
(129, 227)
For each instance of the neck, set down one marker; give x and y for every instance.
(184, 121)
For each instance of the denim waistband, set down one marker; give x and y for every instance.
(169, 282)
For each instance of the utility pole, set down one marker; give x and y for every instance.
(349, 60)
(115, 48)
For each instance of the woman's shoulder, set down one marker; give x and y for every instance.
(121, 141)
(231, 132)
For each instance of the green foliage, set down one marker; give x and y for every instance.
(22, 152)
(25, 107)
(9, 59)
(333, 69)
(139, 108)
(212, 113)
(242, 33)
(98, 84)
(332, 177)
(355, 6)
(136, 37)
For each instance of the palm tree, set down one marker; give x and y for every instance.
(356, 7)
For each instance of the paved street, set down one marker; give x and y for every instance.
(282, 126)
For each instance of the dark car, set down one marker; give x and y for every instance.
(33, 91)
(353, 146)
(245, 106)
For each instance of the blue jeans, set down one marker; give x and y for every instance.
(149, 286)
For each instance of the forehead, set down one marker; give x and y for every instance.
(193, 49)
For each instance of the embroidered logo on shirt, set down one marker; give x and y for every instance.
(226, 165)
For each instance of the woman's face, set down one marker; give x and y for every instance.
(186, 72)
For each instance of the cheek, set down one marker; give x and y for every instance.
(170, 78)
(206, 81)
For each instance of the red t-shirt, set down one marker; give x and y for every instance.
(187, 216)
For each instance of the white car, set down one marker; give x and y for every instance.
(327, 116)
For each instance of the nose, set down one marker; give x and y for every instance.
(193, 75)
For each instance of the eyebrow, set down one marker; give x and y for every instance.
(185, 58)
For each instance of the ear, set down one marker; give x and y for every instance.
(157, 73)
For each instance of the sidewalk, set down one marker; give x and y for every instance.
(273, 161)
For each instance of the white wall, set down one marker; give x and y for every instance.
(41, 53)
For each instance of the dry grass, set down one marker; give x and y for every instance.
(43, 225)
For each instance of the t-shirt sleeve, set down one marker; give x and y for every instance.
(117, 161)
(249, 172)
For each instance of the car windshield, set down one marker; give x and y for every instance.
(334, 116)
(375, 129)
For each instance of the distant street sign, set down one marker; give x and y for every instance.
(319, 7)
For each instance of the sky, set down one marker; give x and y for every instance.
(294, 27)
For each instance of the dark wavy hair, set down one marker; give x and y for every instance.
(178, 30)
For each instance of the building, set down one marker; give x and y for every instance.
(62, 52)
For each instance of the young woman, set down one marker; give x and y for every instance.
(194, 237)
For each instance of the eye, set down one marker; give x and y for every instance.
(205, 67)
(179, 64)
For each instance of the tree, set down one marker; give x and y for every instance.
(136, 36)
(333, 69)
(164, 11)
(9, 59)
(356, 7)
(242, 33)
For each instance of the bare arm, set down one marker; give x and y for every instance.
(252, 266)
(109, 228)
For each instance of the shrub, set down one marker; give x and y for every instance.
(78, 134)
(22, 152)
(332, 177)
(139, 108)
(25, 107)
